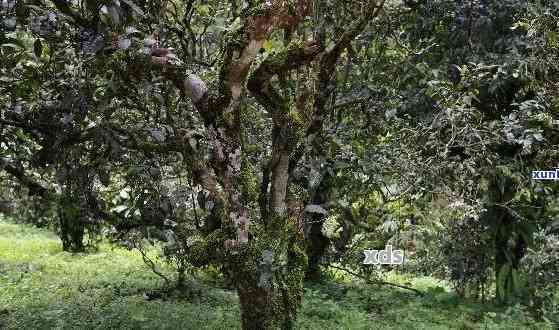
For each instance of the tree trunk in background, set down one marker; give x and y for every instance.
(72, 230)
(501, 248)
(317, 243)
(506, 255)
(507, 258)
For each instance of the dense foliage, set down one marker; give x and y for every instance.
(268, 142)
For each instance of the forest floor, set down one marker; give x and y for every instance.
(42, 287)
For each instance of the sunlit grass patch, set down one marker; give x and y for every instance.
(42, 287)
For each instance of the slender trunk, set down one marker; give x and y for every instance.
(317, 244)
(181, 278)
(501, 247)
(505, 259)
(501, 191)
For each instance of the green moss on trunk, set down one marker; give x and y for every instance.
(272, 304)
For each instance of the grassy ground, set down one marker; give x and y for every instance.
(42, 287)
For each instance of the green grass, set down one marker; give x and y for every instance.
(42, 287)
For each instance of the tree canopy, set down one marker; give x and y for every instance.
(273, 140)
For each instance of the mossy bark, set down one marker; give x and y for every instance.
(273, 305)
(257, 310)
(263, 308)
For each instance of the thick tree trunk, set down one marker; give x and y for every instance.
(257, 310)
(271, 292)
(271, 308)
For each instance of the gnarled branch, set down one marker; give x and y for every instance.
(260, 85)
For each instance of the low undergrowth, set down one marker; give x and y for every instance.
(42, 287)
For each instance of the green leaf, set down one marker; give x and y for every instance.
(203, 10)
(268, 45)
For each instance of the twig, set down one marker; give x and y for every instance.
(379, 282)
(152, 265)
